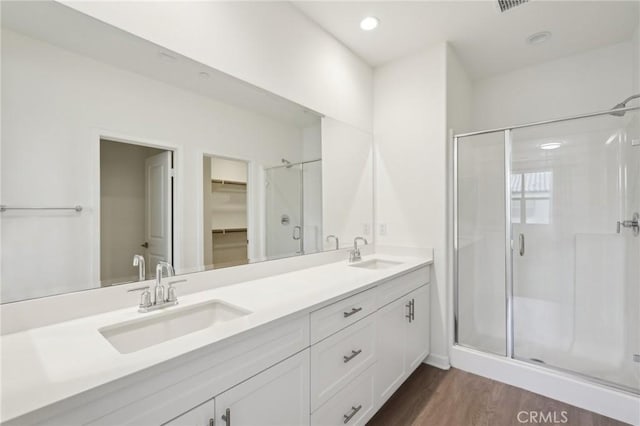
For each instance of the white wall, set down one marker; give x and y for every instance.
(268, 44)
(56, 104)
(312, 199)
(347, 182)
(459, 94)
(587, 82)
(410, 142)
(312, 142)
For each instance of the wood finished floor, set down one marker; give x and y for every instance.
(435, 397)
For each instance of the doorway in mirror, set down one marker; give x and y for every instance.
(225, 184)
(136, 209)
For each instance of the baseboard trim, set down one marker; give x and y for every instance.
(438, 361)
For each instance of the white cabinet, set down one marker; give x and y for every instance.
(417, 347)
(202, 415)
(402, 341)
(390, 341)
(354, 405)
(335, 365)
(279, 396)
(338, 359)
(330, 319)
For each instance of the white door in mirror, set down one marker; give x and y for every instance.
(158, 212)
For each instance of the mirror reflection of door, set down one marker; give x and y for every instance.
(225, 214)
(136, 213)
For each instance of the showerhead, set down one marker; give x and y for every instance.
(623, 104)
(286, 162)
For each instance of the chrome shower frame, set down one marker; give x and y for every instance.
(509, 346)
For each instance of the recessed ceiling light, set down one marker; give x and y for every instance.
(369, 23)
(551, 145)
(539, 38)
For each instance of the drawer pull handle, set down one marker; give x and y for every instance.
(227, 417)
(352, 356)
(354, 411)
(353, 311)
(413, 309)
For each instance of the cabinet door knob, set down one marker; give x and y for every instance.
(354, 411)
(227, 416)
(354, 354)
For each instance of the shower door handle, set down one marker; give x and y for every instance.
(297, 231)
(297, 236)
(521, 243)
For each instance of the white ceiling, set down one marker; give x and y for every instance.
(486, 40)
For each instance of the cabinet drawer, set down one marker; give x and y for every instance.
(330, 319)
(353, 405)
(404, 284)
(338, 359)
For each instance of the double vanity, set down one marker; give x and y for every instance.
(326, 345)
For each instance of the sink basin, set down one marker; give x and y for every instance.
(141, 333)
(375, 264)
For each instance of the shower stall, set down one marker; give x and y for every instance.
(293, 221)
(547, 247)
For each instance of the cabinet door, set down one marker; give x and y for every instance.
(278, 396)
(202, 415)
(418, 328)
(391, 328)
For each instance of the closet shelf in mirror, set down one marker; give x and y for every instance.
(229, 208)
(228, 230)
(228, 186)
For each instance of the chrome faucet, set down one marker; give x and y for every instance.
(159, 301)
(158, 290)
(354, 255)
(329, 237)
(138, 260)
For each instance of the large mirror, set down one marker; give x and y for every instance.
(118, 154)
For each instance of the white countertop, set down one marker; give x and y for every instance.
(45, 365)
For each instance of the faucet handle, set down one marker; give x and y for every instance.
(145, 297)
(171, 291)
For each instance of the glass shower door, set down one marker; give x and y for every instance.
(284, 233)
(576, 274)
(480, 244)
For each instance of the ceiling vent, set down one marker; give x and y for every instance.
(505, 5)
